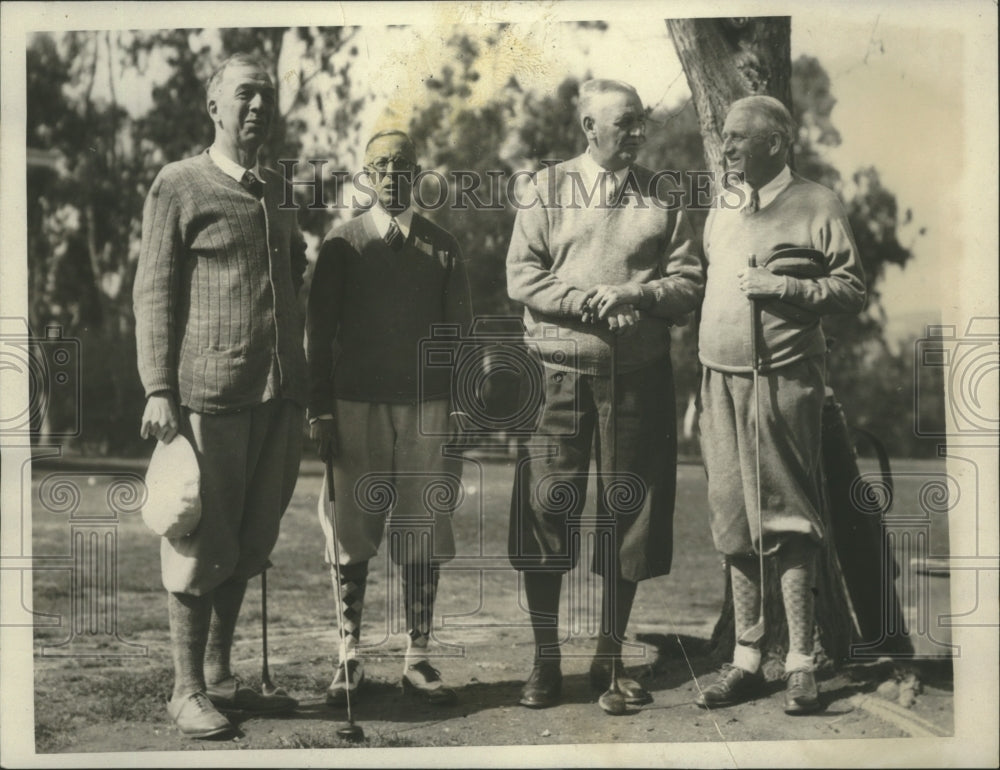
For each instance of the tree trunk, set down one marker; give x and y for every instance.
(725, 60)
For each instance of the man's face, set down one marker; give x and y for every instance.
(391, 164)
(749, 148)
(615, 128)
(243, 105)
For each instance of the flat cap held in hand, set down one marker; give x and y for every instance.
(173, 489)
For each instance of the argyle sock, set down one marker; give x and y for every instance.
(349, 585)
(226, 601)
(744, 572)
(189, 621)
(542, 591)
(420, 582)
(796, 564)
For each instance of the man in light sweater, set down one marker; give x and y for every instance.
(600, 249)
(382, 281)
(783, 211)
(220, 356)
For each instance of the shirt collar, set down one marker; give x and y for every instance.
(593, 170)
(382, 218)
(772, 189)
(230, 167)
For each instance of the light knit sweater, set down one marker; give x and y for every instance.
(217, 322)
(804, 214)
(561, 247)
(371, 313)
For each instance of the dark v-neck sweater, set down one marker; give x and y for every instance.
(371, 308)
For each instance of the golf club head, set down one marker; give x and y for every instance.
(351, 732)
(612, 702)
(268, 688)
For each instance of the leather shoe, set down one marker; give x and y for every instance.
(196, 717)
(229, 696)
(336, 693)
(734, 685)
(600, 680)
(423, 680)
(801, 695)
(543, 686)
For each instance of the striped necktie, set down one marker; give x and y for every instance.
(394, 236)
(611, 185)
(753, 205)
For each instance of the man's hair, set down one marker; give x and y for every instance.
(591, 88)
(392, 132)
(773, 114)
(237, 59)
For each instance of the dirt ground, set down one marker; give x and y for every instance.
(97, 704)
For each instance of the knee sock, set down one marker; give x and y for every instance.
(744, 573)
(796, 564)
(617, 596)
(226, 602)
(189, 621)
(542, 590)
(349, 586)
(420, 583)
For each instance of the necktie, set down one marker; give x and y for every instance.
(611, 185)
(394, 236)
(253, 184)
(753, 205)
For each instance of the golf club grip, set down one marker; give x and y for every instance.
(330, 491)
(752, 263)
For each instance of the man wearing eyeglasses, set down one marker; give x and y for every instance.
(381, 281)
(600, 250)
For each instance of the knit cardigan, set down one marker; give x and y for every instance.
(559, 249)
(217, 321)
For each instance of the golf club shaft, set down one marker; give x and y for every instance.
(613, 388)
(754, 354)
(265, 676)
(331, 496)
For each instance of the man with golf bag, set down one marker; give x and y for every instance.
(775, 266)
(601, 263)
(220, 356)
(382, 280)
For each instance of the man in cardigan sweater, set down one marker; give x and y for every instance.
(600, 250)
(782, 211)
(382, 281)
(220, 356)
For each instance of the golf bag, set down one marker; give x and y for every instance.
(868, 565)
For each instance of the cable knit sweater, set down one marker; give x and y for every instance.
(217, 321)
(559, 249)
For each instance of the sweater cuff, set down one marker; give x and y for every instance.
(648, 298)
(157, 380)
(572, 303)
(789, 289)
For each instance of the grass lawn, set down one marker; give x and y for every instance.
(482, 634)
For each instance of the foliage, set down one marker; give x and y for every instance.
(95, 156)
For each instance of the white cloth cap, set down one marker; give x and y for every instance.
(173, 489)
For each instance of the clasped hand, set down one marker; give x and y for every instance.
(614, 303)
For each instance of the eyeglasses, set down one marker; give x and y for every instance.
(398, 162)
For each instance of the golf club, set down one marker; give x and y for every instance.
(753, 636)
(350, 731)
(612, 701)
(266, 685)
